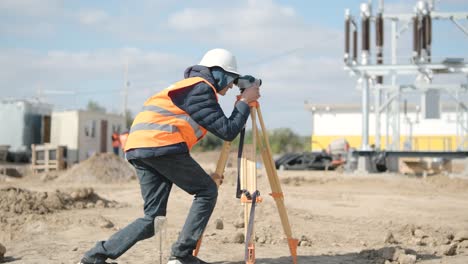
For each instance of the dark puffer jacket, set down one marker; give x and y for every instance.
(199, 101)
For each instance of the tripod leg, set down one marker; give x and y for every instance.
(220, 166)
(275, 185)
(223, 157)
(249, 183)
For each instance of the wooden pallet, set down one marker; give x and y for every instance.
(47, 158)
(422, 166)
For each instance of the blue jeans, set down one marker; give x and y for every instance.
(156, 177)
(116, 150)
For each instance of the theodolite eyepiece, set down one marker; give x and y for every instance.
(247, 81)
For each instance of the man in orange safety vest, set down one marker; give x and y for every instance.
(170, 123)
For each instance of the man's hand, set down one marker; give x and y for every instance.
(250, 88)
(250, 94)
(218, 179)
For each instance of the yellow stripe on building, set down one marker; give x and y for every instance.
(418, 143)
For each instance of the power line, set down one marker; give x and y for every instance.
(276, 56)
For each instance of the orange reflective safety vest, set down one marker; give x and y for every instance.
(162, 123)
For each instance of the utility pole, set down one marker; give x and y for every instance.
(366, 12)
(125, 92)
(312, 110)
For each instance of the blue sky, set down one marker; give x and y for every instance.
(70, 52)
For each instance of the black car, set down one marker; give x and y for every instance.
(304, 161)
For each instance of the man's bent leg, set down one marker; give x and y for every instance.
(121, 241)
(185, 172)
(197, 219)
(155, 191)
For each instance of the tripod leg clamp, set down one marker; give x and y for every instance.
(245, 199)
(251, 254)
(277, 195)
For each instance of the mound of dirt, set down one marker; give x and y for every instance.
(101, 168)
(22, 201)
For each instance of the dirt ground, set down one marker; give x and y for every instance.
(338, 218)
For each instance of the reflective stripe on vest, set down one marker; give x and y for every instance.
(159, 110)
(152, 126)
(162, 123)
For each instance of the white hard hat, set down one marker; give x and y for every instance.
(221, 58)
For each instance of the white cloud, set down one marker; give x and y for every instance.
(457, 2)
(31, 8)
(191, 19)
(403, 6)
(39, 29)
(253, 13)
(30, 18)
(261, 25)
(92, 17)
(291, 80)
(315, 79)
(93, 71)
(399, 7)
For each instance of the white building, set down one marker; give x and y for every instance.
(331, 122)
(85, 132)
(24, 122)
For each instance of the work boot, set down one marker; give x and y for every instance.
(186, 260)
(84, 261)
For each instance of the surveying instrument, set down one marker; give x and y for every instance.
(247, 178)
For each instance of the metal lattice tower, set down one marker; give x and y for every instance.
(420, 65)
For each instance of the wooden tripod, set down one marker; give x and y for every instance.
(248, 181)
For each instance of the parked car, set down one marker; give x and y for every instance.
(304, 161)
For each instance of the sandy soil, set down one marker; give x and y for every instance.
(339, 218)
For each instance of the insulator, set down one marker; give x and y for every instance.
(368, 34)
(428, 37)
(429, 30)
(379, 34)
(365, 34)
(415, 37)
(379, 62)
(347, 32)
(355, 45)
(379, 79)
(379, 56)
(420, 36)
(379, 30)
(423, 33)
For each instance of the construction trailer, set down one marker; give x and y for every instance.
(84, 132)
(24, 122)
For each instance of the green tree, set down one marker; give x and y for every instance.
(209, 142)
(95, 107)
(129, 118)
(307, 144)
(284, 140)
